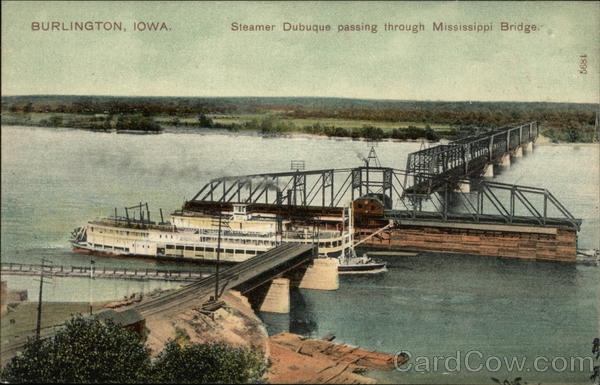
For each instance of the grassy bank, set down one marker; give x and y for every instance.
(21, 319)
(264, 123)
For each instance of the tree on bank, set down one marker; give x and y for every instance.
(85, 351)
(207, 364)
(205, 121)
(93, 351)
(137, 123)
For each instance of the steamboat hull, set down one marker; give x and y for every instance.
(362, 269)
(80, 249)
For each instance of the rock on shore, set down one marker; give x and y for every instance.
(292, 358)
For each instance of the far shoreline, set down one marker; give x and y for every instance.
(542, 140)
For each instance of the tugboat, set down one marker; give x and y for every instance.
(350, 263)
(588, 256)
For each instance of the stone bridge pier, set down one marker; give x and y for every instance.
(506, 159)
(488, 170)
(274, 296)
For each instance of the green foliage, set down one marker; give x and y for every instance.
(56, 121)
(137, 123)
(412, 132)
(572, 132)
(85, 351)
(182, 337)
(314, 129)
(205, 121)
(516, 381)
(371, 132)
(556, 119)
(196, 363)
(268, 125)
(91, 351)
(341, 132)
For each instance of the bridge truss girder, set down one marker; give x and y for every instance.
(494, 202)
(324, 188)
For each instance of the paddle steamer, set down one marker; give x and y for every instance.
(197, 232)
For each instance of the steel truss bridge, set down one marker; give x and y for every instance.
(467, 157)
(425, 190)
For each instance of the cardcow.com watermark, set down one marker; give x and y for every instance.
(476, 361)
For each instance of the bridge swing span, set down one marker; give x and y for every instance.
(425, 189)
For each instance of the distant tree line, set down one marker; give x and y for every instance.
(101, 123)
(561, 121)
(136, 123)
(372, 132)
(203, 121)
(272, 125)
(453, 113)
(572, 132)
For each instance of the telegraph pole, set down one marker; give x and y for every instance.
(217, 268)
(39, 309)
(218, 257)
(90, 283)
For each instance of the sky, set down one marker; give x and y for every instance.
(199, 54)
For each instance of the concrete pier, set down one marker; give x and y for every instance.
(488, 171)
(322, 274)
(463, 187)
(274, 296)
(528, 147)
(518, 152)
(277, 297)
(505, 160)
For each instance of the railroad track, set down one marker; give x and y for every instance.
(11, 346)
(228, 278)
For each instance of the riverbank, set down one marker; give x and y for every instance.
(541, 141)
(301, 360)
(417, 134)
(545, 141)
(291, 358)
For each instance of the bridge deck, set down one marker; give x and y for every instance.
(259, 268)
(104, 272)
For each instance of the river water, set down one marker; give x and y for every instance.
(430, 305)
